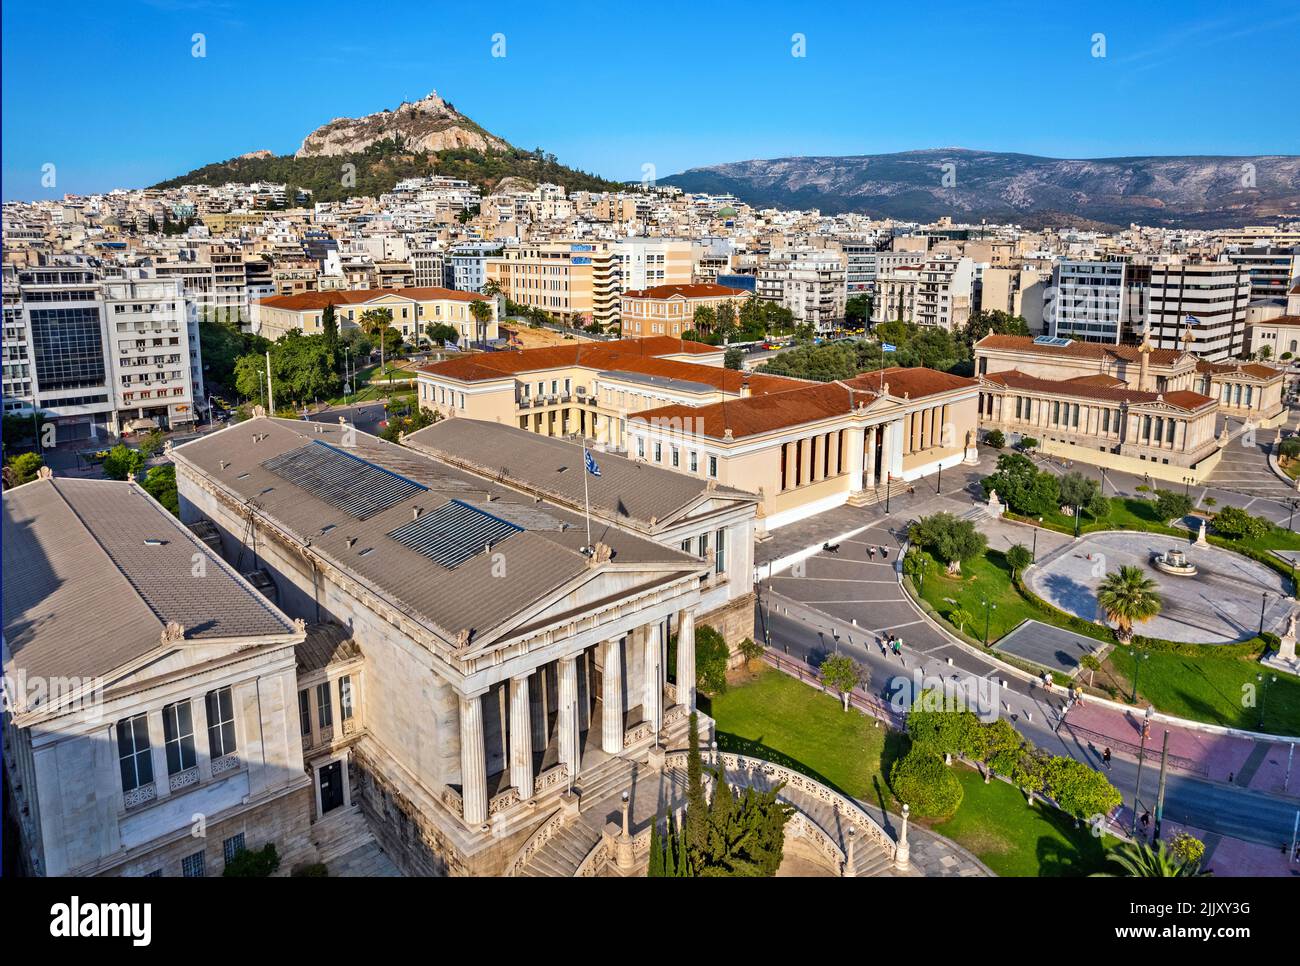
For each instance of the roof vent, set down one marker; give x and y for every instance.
(222, 464)
(154, 542)
(415, 512)
(351, 541)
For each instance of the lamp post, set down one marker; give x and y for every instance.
(987, 608)
(1137, 790)
(1187, 483)
(1076, 521)
(1263, 602)
(1137, 667)
(889, 487)
(1290, 516)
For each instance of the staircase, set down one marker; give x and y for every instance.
(340, 832)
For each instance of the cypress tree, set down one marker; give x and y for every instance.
(697, 808)
(656, 870)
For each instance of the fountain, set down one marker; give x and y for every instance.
(1173, 562)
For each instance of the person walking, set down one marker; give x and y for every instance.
(898, 646)
(1105, 758)
(871, 552)
(884, 553)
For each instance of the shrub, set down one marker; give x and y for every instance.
(935, 724)
(1028, 443)
(1187, 847)
(1290, 447)
(1172, 505)
(253, 864)
(922, 781)
(1019, 557)
(752, 652)
(1078, 789)
(1236, 524)
(995, 439)
(25, 467)
(711, 655)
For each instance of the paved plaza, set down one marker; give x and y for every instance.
(1054, 648)
(1220, 605)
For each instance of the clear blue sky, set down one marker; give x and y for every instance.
(110, 93)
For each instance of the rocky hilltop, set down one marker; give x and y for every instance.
(1174, 191)
(427, 125)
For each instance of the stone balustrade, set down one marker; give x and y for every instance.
(550, 828)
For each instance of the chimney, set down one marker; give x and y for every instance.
(744, 386)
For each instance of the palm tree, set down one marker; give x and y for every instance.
(1128, 595)
(375, 322)
(1138, 860)
(482, 313)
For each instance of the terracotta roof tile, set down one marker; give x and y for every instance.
(319, 300)
(1015, 379)
(634, 355)
(703, 291)
(1080, 350)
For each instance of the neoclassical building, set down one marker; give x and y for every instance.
(149, 726)
(820, 445)
(503, 658)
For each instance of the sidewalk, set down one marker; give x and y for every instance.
(1251, 764)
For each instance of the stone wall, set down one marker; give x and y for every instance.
(285, 820)
(734, 621)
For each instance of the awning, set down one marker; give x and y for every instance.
(137, 425)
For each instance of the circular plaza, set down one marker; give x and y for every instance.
(1220, 603)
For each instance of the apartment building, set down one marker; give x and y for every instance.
(934, 291)
(431, 266)
(1272, 270)
(154, 347)
(467, 263)
(577, 282)
(670, 309)
(1201, 306)
(808, 282)
(649, 262)
(1016, 291)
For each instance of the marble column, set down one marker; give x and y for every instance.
(871, 457)
(611, 733)
(652, 697)
(473, 761)
(521, 736)
(566, 722)
(855, 460)
(686, 659)
(158, 752)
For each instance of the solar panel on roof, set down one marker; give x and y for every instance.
(1051, 340)
(356, 486)
(453, 533)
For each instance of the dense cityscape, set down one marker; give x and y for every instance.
(417, 505)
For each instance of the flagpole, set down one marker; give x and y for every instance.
(586, 497)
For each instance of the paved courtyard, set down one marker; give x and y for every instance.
(1054, 648)
(1220, 605)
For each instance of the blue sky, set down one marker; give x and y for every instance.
(110, 94)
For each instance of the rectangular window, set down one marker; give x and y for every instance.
(1105, 420)
(702, 543)
(192, 866)
(713, 466)
(676, 456)
(324, 709)
(178, 731)
(720, 551)
(686, 545)
(133, 752)
(1056, 413)
(1169, 431)
(640, 447)
(695, 462)
(659, 452)
(304, 712)
(232, 846)
(221, 723)
(345, 698)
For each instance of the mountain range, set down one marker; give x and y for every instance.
(1171, 191)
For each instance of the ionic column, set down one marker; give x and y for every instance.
(611, 735)
(855, 460)
(652, 697)
(566, 721)
(871, 457)
(686, 659)
(521, 737)
(473, 761)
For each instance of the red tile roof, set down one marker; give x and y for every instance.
(1078, 350)
(1255, 369)
(806, 403)
(319, 300)
(634, 355)
(704, 291)
(1015, 379)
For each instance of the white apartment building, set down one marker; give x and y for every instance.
(467, 265)
(936, 290)
(1203, 303)
(648, 262)
(808, 282)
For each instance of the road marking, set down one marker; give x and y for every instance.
(834, 580)
(882, 600)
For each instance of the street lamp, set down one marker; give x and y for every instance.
(1291, 516)
(1262, 692)
(1263, 602)
(1137, 666)
(987, 608)
(1034, 554)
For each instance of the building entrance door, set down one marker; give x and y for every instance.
(331, 786)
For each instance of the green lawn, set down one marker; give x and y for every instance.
(779, 718)
(1015, 839)
(1124, 513)
(1208, 687)
(791, 723)
(984, 578)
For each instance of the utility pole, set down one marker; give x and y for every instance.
(1137, 790)
(1160, 795)
(270, 392)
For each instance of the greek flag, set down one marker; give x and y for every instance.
(592, 468)
(888, 347)
(1192, 320)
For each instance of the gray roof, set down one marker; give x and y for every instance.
(630, 492)
(480, 593)
(325, 644)
(659, 382)
(84, 593)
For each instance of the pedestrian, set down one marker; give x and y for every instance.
(898, 646)
(884, 553)
(871, 552)
(1146, 821)
(1105, 758)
